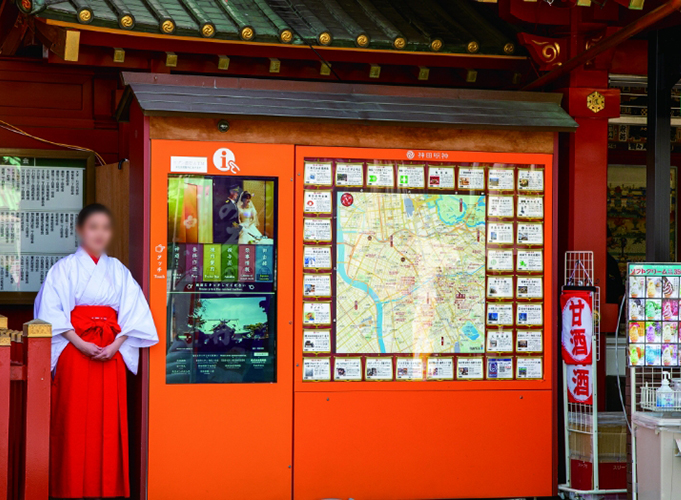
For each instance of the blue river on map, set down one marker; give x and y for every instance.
(469, 330)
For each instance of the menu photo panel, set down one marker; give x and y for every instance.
(653, 314)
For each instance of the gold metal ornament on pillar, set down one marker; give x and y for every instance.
(595, 102)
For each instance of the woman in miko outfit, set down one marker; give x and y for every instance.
(100, 319)
(248, 218)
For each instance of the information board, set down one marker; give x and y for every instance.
(423, 270)
(221, 299)
(653, 314)
(39, 201)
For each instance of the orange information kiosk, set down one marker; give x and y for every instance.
(341, 317)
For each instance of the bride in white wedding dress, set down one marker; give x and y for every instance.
(248, 218)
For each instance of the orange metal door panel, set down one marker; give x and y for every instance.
(423, 444)
(216, 441)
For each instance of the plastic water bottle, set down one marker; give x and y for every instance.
(665, 394)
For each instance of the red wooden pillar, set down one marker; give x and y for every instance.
(5, 361)
(591, 104)
(37, 352)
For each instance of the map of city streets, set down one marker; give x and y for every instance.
(410, 273)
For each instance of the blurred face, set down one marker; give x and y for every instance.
(247, 202)
(95, 233)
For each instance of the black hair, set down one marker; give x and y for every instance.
(90, 210)
(246, 194)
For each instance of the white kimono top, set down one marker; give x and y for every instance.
(76, 280)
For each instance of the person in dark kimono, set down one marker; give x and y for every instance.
(233, 227)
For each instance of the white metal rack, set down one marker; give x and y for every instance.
(582, 418)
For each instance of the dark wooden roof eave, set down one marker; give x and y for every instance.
(232, 100)
(426, 26)
(105, 38)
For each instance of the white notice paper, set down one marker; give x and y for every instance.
(316, 369)
(499, 314)
(350, 174)
(499, 287)
(530, 180)
(317, 285)
(500, 179)
(529, 368)
(529, 287)
(316, 257)
(500, 233)
(380, 176)
(531, 207)
(316, 340)
(500, 206)
(316, 313)
(529, 315)
(347, 369)
(318, 202)
(530, 260)
(529, 341)
(471, 178)
(531, 234)
(24, 273)
(316, 229)
(441, 177)
(411, 177)
(41, 188)
(440, 369)
(469, 368)
(409, 369)
(318, 174)
(36, 232)
(499, 260)
(499, 340)
(379, 369)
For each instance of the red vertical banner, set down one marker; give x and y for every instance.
(580, 384)
(577, 334)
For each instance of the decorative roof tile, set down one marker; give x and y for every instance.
(452, 26)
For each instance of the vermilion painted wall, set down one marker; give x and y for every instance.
(62, 104)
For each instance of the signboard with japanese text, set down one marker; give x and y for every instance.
(424, 256)
(578, 326)
(653, 314)
(40, 198)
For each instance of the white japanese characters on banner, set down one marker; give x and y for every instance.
(577, 333)
(580, 384)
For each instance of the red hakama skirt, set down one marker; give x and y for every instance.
(89, 429)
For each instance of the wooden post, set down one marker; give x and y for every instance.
(37, 351)
(5, 363)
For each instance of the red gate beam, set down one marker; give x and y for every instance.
(608, 43)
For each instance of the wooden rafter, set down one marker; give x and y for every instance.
(13, 27)
(65, 43)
